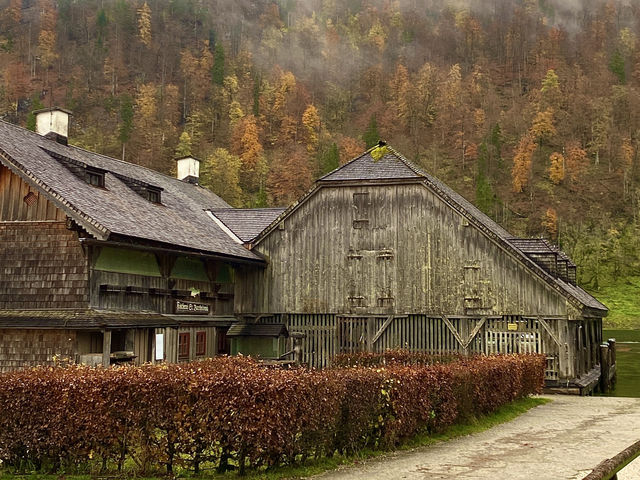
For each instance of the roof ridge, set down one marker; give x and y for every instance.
(76, 147)
(339, 167)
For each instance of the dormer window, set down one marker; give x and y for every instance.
(153, 195)
(94, 177)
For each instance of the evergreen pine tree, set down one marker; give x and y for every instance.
(217, 71)
(371, 136)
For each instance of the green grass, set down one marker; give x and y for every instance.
(476, 425)
(623, 300)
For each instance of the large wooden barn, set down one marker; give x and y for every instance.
(103, 261)
(379, 254)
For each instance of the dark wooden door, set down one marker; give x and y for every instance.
(353, 334)
(223, 342)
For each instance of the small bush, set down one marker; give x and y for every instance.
(233, 412)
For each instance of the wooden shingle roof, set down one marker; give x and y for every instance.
(117, 210)
(247, 223)
(258, 330)
(82, 319)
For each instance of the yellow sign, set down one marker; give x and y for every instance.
(512, 326)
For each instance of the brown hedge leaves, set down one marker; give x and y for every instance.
(234, 413)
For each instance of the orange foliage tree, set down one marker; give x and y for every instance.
(350, 148)
(290, 175)
(522, 163)
(576, 161)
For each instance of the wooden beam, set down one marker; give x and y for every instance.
(106, 348)
(551, 333)
(448, 323)
(381, 330)
(475, 331)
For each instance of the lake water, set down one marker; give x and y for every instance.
(628, 360)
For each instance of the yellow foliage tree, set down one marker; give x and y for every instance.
(311, 122)
(556, 168)
(550, 223)
(144, 24)
(220, 173)
(542, 127)
(400, 90)
(522, 163)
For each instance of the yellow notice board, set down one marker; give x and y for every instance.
(512, 326)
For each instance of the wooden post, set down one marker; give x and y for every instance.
(612, 356)
(106, 348)
(604, 368)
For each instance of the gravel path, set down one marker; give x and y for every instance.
(564, 439)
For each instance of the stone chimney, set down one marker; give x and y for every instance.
(53, 123)
(188, 169)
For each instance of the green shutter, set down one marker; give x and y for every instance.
(188, 268)
(127, 261)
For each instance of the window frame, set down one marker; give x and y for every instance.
(184, 347)
(201, 343)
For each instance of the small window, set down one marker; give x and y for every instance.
(201, 343)
(95, 178)
(153, 195)
(361, 210)
(183, 345)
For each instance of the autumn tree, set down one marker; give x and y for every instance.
(311, 122)
(144, 24)
(220, 173)
(556, 168)
(522, 163)
(47, 36)
(400, 96)
(183, 149)
(542, 128)
(349, 148)
(576, 161)
(245, 143)
(550, 223)
(627, 152)
(290, 175)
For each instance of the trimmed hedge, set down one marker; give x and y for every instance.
(234, 413)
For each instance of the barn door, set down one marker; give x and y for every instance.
(353, 334)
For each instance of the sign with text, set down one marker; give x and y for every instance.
(192, 308)
(512, 327)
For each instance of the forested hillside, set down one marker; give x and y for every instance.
(530, 108)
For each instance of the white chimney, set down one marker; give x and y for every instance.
(188, 169)
(53, 123)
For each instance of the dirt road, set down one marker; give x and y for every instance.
(564, 439)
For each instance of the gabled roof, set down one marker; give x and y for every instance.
(392, 166)
(247, 223)
(365, 167)
(117, 210)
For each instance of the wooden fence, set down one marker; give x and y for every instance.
(328, 334)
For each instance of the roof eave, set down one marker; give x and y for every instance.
(89, 224)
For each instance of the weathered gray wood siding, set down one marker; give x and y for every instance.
(383, 249)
